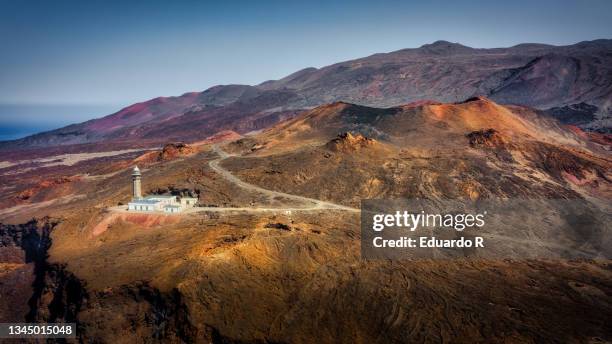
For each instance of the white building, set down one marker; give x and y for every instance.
(143, 205)
(172, 208)
(161, 203)
(187, 202)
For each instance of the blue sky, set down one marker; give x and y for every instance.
(67, 61)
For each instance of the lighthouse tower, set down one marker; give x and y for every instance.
(137, 193)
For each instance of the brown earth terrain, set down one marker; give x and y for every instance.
(466, 150)
(272, 252)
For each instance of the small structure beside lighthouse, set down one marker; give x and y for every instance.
(154, 203)
(136, 185)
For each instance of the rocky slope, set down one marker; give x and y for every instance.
(574, 81)
(284, 277)
(471, 149)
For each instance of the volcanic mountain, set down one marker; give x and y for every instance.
(421, 150)
(573, 83)
(273, 253)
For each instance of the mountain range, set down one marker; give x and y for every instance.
(572, 83)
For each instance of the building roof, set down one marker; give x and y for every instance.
(143, 201)
(159, 197)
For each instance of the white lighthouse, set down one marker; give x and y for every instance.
(152, 203)
(136, 189)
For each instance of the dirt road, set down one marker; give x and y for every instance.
(306, 204)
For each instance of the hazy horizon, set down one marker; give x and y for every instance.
(94, 58)
(22, 120)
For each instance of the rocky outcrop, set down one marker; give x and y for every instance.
(58, 295)
(347, 142)
(175, 150)
(140, 311)
(170, 151)
(486, 137)
(54, 294)
(31, 238)
(562, 162)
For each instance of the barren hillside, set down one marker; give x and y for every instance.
(573, 83)
(244, 268)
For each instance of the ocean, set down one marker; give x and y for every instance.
(21, 120)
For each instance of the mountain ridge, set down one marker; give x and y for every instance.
(537, 75)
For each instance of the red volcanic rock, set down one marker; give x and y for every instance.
(143, 220)
(577, 131)
(599, 138)
(45, 184)
(154, 110)
(174, 150)
(602, 139)
(170, 151)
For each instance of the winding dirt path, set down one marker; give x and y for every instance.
(307, 204)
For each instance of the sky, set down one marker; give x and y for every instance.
(63, 62)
